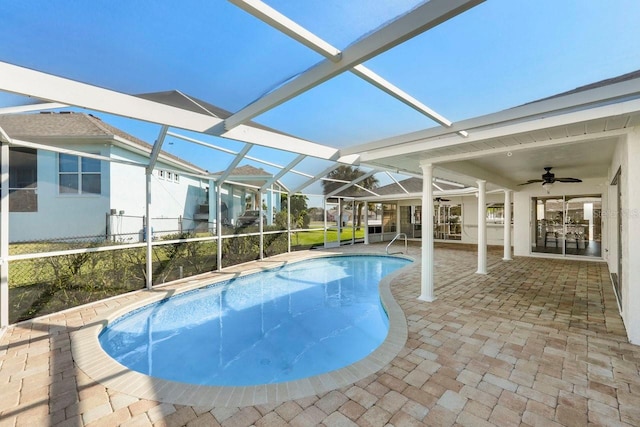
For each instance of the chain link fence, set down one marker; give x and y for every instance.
(44, 285)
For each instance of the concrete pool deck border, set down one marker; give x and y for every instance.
(98, 365)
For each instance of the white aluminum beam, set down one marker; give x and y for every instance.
(31, 107)
(226, 150)
(24, 81)
(396, 182)
(157, 147)
(277, 20)
(417, 21)
(280, 22)
(351, 183)
(283, 172)
(373, 78)
(278, 141)
(316, 178)
(234, 163)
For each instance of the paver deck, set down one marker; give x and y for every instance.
(533, 342)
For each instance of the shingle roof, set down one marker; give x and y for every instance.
(178, 99)
(72, 124)
(606, 82)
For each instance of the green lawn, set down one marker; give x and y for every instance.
(316, 237)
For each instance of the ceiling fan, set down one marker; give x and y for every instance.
(441, 199)
(549, 178)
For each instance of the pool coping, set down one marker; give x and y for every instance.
(99, 366)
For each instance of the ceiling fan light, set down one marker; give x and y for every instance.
(547, 186)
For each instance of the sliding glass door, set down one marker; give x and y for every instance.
(567, 225)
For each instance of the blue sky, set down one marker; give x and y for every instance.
(497, 55)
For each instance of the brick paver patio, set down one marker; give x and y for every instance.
(533, 342)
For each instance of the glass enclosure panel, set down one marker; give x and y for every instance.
(569, 225)
(389, 220)
(583, 225)
(332, 214)
(447, 222)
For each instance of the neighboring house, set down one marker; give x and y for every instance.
(57, 195)
(240, 193)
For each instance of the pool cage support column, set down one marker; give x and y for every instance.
(4, 230)
(219, 224)
(155, 152)
(289, 222)
(427, 272)
(261, 226)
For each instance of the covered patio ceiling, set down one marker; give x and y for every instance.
(301, 88)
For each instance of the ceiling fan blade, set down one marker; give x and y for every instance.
(568, 180)
(531, 181)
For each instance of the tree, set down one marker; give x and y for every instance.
(349, 173)
(299, 216)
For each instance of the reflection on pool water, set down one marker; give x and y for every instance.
(279, 325)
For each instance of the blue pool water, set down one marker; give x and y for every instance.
(296, 321)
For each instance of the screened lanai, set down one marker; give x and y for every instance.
(439, 92)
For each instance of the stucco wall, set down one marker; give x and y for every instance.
(62, 215)
(628, 158)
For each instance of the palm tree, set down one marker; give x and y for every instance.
(349, 173)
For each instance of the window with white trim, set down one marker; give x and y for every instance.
(78, 175)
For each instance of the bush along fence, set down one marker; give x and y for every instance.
(40, 285)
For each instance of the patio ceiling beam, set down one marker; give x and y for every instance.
(352, 183)
(283, 172)
(315, 178)
(234, 163)
(282, 23)
(24, 81)
(417, 21)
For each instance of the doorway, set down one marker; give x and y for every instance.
(567, 225)
(617, 277)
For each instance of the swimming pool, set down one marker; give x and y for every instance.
(300, 320)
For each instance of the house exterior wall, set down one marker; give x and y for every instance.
(170, 200)
(85, 216)
(61, 216)
(627, 157)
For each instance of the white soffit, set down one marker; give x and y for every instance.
(402, 29)
(579, 106)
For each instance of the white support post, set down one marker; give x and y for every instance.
(147, 232)
(427, 273)
(507, 225)
(4, 235)
(324, 209)
(261, 225)
(482, 227)
(289, 222)
(365, 208)
(353, 222)
(219, 224)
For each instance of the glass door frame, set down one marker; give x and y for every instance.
(553, 230)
